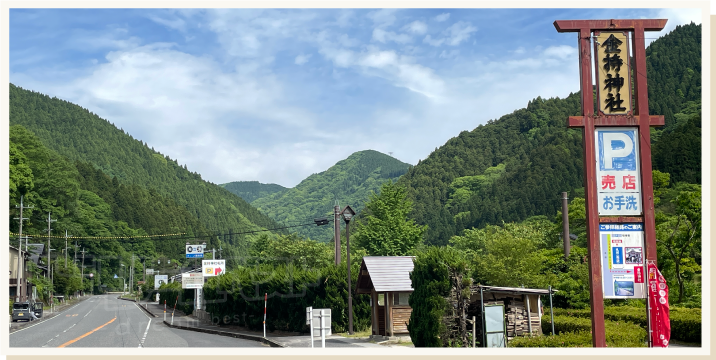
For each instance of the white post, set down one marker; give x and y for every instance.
(265, 301)
(311, 317)
(323, 334)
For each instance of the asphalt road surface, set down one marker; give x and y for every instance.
(105, 321)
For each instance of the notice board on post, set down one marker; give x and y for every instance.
(622, 248)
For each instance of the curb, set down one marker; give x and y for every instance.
(146, 310)
(271, 343)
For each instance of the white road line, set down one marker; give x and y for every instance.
(73, 325)
(149, 323)
(88, 313)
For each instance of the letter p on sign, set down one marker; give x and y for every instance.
(616, 149)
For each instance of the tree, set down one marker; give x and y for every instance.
(387, 230)
(680, 234)
(66, 279)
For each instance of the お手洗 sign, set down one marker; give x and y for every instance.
(622, 248)
(618, 177)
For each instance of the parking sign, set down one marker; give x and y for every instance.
(618, 176)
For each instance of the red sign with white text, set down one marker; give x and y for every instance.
(658, 308)
(638, 275)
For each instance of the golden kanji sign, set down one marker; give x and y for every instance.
(613, 76)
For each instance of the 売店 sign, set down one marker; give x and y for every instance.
(192, 280)
(213, 267)
(194, 251)
(622, 248)
(618, 177)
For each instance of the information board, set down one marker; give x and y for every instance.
(192, 280)
(622, 249)
(618, 178)
(213, 267)
(159, 280)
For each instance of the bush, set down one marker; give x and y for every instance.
(237, 297)
(685, 323)
(619, 333)
(570, 339)
(173, 294)
(431, 284)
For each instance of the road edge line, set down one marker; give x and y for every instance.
(270, 342)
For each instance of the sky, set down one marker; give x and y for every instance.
(275, 95)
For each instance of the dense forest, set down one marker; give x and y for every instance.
(517, 166)
(350, 182)
(252, 190)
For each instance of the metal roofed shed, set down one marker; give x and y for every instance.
(519, 308)
(387, 280)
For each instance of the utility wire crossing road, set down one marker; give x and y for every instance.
(105, 321)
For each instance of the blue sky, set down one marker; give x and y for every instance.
(276, 95)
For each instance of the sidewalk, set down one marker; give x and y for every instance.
(182, 321)
(46, 314)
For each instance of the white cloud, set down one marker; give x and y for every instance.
(302, 59)
(383, 17)
(383, 36)
(459, 32)
(176, 23)
(449, 54)
(434, 42)
(442, 17)
(678, 16)
(417, 27)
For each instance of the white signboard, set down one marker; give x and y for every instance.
(150, 271)
(317, 322)
(159, 280)
(197, 298)
(618, 171)
(192, 281)
(622, 248)
(213, 267)
(194, 251)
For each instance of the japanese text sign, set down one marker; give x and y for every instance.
(194, 251)
(612, 73)
(192, 281)
(618, 176)
(213, 267)
(659, 308)
(622, 248)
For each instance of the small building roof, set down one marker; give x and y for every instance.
(513, 290)
(387, 273)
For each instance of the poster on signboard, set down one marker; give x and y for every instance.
(622, 249)
(192, 281)
(159, 280)
(618, 177)
(213, 267)
(194, 251)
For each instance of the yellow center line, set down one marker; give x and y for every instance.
(85, 335)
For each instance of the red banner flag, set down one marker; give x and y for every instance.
(658, 308)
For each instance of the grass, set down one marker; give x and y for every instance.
(357, 334)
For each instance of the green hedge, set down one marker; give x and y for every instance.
(578, 339)
(685, 322)
(237, 297)
(173, 291)
(619, 333)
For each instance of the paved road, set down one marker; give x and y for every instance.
(105, 321)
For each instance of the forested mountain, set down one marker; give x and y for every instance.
(517, 166)
(349, 181)
(80, 135)
(252, 190)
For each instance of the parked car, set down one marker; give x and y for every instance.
(21, 310)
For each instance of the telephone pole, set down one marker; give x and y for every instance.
(82, 277)
(565, 225)
(49, 232)
(66, 248)
(337, 230)
(18, 296)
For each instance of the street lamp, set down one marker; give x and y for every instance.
(124, 284)
(347, 216)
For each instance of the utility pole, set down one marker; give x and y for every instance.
(75, 259)
(144, 270)
(49, 232)
(347, 215)
(82, 278)
(565, 225)
(219, 251)
(66, 251)
(18, 296)
(337, 231)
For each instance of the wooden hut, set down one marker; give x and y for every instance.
(522, 308)
(387, 280)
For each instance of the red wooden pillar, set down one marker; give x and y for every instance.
(589, 121)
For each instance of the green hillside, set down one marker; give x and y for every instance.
(517, 166)
(79, 135)
(252, 190)
(351, 181)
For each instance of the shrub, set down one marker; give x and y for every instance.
(237, 297)
(619, 334)
(569, 339)
(685, 323)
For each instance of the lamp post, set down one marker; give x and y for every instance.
(347, 215)
(124, 284)
(50, 272)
